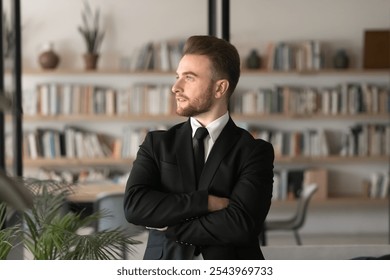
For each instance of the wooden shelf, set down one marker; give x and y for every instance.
(333, 159)
(283, 117)
(104, 118)
(329, 71)
(118, 162)
(175, 118)
(59, 72)
(88, 193)
(62, 72)
(79, 162)
(335, 203)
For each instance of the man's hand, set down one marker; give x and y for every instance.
(216, 203)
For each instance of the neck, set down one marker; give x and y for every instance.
(205, 118)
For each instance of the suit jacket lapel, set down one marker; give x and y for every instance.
(185, 156)
(222, 146)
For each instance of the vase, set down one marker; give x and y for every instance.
(341, 59)
(91, 60)
(48, 59)
(253, 61)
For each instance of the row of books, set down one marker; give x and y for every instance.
(378, 186)
(149, 99)
(284, 56)
(76, 142)
(70, 143)
(309, 143)
(366, 140)
(358, 140)
(345, 99)
(73, 99)
(160, 56)
(288, 183)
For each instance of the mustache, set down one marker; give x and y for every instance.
(181, 96)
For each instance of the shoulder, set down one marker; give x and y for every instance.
(172, 131)
(156, 137)
(251, 143)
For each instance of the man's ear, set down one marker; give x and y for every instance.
(221, 88)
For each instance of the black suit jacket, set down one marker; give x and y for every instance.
(161, 191)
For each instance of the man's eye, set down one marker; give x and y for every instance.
(189, 77)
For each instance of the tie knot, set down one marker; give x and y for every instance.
(201, 133)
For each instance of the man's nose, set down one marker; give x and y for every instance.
(176, 86)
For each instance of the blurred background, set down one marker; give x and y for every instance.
(315, 83)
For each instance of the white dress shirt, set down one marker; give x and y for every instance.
(214, 128)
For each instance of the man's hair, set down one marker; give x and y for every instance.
(224, 57)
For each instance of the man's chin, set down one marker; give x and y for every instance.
(184, 113)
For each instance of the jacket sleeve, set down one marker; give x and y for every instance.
(249, 204)
(146, 204)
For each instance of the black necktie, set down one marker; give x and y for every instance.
(198, 144)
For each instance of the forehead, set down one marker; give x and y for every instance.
(197, 64)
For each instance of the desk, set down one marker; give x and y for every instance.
(89, 193)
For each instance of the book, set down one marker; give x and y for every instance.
(295, 182)
(270, 56)
(376, 49)
(32, 145)
(50, 140)
(54, 102)
(66, 98)
(375, 182)
(385, 186)
(378, 185)
(30, 102)
(319, 176)
(110, 97)
(164, 56)
(43, 99)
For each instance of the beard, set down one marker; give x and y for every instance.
(196, 106)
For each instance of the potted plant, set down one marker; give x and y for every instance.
(8, 235)
(49, 231)
(92, 34)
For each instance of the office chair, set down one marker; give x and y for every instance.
(297, 221)
(112, 202)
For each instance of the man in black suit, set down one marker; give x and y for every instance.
(220, 214)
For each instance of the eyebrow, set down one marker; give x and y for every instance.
(188, 73)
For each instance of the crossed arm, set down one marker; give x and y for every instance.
(215, 203)
(199, 217)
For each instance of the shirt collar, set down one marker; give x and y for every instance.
(214, 128)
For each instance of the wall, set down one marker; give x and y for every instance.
(131, 23)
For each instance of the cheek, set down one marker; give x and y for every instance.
(199, 93)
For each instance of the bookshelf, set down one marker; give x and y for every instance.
(114, 124)
(348, 174)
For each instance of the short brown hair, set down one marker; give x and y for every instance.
(224, 57)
